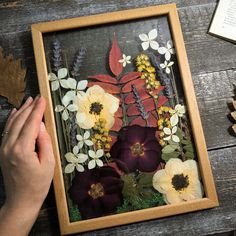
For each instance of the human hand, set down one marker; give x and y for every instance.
(27, 174)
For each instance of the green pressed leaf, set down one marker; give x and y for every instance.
(179, 134)
(189, 155)
(74, 214)
(144, 180)
(186, 141)
(167, 156)
(129, 189)
(188, 148)
(169, 148)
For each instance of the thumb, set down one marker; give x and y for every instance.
(45, 152)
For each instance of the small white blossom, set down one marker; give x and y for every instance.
(171, 134)
(125, 60)
(84, 140)
(65, 107)
(166, 65)
(75, 160)
(148, 40)
(57, 80)
(95, 158)
(179, 111)
(168, 50)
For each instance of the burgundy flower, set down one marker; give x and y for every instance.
(137, 148)
(97, 192)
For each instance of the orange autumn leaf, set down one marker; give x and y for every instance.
(12, 84)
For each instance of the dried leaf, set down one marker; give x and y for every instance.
(233, 114)
(130, 76)
(138, 121)
(118, 124)
(128, 87)
(152, 121)
(114, 57)
(167, 156)
(234, 128)
(104, 78)
(119, 112)
(12, 79)
(162, 100)
(109, 88)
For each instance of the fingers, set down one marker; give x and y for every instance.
(45, 152)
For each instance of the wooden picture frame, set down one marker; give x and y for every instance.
(210, 198)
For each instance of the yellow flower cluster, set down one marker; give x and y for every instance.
(163, 121)
(101, 138)
(143, 65)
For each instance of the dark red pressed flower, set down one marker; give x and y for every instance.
(97, 192)
(137, 148)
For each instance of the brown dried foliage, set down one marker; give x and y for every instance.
(12, 75)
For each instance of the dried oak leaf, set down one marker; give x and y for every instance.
(12, 79)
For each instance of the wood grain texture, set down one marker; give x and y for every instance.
(213, 66)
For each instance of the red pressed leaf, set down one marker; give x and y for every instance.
(119, 112)
(162, 100)
(129, 99)
(104, 78)
(109, 88)
(114, 57)
(118, 124)
(137, 82)
(152, 121)
(130, 76)
(138, 121)
(148, 104)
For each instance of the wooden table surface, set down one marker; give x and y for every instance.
(213, 66)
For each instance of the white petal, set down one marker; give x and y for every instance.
(65, 101)
(86, 134)
(143, 37)
(82, 157)
(152, 34)
(145, 45)
(91, 164)
(174, 129)
(169, 44)
(80, 117)
(162, 65)
(167, 70)
(75, 150)
(154, 45)
(55, 85)
(72, 108)
(71, 83)
(162, 50)
(128, 58)
(62, 73)
(121, 60)
(167, 131)
(69, 168)
(171, 63)
(80, 144)
(82, 84)
(65, 115)
(167, 55)
(92, 153)
(174, 120)
(99, 163)
(52, 77)
(71, 95)
(172, 51)
(64, 83)
(79, 137)
(99, 153)
(79, 168)
(124, 64)
(70, 157)
(167, 138)
(59, 108)
(88, 142)
(175, 138)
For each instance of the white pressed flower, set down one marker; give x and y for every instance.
(179, 111)
(84, 139)
(57, 80)
(74, 87)
(65, 107)
(148, 40)
(166, 65)
(75, 160)
(95, 158)
(168, 50)
(171, 134)
(125, 60)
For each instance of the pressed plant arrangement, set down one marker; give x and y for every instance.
(125, 136)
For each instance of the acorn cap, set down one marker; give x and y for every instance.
(234, 104)
(233, 114)
(234, 128)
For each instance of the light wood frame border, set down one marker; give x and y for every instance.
(209, 201)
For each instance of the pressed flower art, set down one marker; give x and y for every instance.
(123, 127)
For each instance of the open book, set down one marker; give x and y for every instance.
(224, 21)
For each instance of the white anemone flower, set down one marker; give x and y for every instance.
(125, 60)
(66, 107)
(171, 134)
(166, 65)
(74, 87)
(179, 111)
(84, 140)
(95, 158)
(148, 40)
(167, 51)
(75, 160)
(57, 80)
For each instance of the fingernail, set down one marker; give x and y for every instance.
(29, 99)
(42, 127)
(13, 111)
